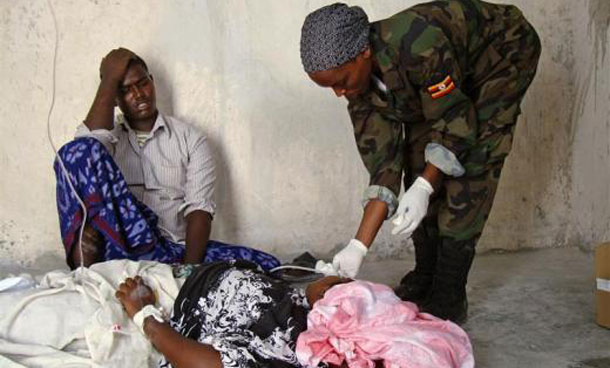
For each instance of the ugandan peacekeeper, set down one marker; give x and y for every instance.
(434, 94)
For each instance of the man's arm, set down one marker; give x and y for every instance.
(198, 204)
(112, 71)
(198, 228)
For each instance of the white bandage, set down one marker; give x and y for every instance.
(147, 311)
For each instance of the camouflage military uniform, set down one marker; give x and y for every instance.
(455, 72)
(486, 56)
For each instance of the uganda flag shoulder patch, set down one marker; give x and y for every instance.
(441, 89)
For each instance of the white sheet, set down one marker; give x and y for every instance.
(73, 318)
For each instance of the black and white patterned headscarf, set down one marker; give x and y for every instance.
(332, 36)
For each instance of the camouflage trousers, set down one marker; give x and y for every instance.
(461, 207)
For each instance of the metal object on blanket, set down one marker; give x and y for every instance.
(300, 270)
(182, 270)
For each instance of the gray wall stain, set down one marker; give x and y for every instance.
(599, 22)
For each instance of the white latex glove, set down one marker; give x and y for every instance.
(412, 207)
(347, 262)
(326, 268)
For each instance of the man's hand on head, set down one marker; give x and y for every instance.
(134, 294)
(113, 69)
(114, 65)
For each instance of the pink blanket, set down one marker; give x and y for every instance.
(362, 322)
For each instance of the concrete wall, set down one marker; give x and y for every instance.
(290, 178)
(589, 136)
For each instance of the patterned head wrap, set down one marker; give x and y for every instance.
(332, 36)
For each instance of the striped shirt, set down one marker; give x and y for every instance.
(172, 172)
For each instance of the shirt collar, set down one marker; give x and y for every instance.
(159, 123)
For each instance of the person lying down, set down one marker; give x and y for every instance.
(230, 314)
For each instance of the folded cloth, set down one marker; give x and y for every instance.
(298, 275)
(362, 322)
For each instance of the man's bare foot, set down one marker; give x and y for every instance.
(91, 248)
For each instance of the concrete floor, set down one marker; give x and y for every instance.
(527, 309)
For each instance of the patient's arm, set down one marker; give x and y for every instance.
(180, 351)
(134, 295)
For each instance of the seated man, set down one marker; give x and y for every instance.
(146, 179)
(229, 314)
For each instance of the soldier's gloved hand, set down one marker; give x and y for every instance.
(347, 262)
(412, 207)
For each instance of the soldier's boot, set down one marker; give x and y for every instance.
(416, 284)
(447, 298)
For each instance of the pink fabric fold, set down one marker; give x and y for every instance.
(362, 322)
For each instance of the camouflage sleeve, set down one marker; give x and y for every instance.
(380, 144)
(443, 159)
(432, 66)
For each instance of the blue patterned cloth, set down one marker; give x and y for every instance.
(128, 227)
